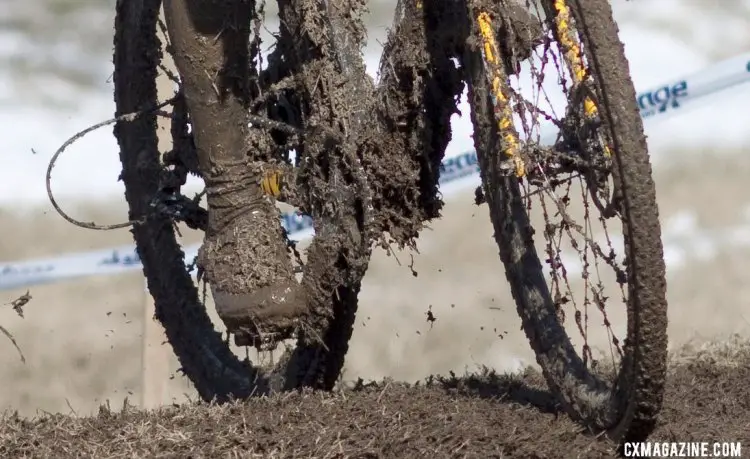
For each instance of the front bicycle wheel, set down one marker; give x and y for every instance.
(597, 163)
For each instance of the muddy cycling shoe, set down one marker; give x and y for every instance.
(261, 318)
(245, 261)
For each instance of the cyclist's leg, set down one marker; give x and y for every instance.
(244, 254)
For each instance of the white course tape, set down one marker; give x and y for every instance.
(458, 172)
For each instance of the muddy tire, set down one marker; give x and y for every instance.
(625, 405)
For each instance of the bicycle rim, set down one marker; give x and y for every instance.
(623, 398)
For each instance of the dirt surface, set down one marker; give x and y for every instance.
(480, 416)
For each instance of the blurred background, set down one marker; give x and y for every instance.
(83, 339)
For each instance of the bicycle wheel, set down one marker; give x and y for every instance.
(601, 153)
(152, 181)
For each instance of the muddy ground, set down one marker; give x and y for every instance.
(479, 417)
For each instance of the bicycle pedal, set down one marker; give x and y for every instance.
(263, 342)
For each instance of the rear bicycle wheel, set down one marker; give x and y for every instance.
(152, 181)
(599, 161)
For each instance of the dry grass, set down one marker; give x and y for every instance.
(481, 416)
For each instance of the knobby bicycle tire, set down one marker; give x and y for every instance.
(628, 410)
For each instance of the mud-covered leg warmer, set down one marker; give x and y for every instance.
(244, 255)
